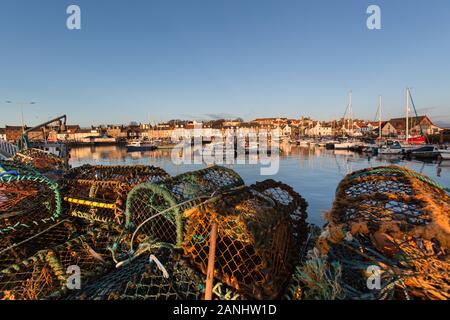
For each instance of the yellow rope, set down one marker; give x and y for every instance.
(91, 203)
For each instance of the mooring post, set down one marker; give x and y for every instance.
(211, 261)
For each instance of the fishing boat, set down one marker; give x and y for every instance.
(141, 146)
(425, 152)
(345, 145)
(391, 149)
(329, 145)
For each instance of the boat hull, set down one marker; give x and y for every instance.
(343, 146)
(140, 148)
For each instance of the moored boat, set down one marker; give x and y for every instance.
(393, 149)
(346, 145)
(428, 152)
(140, 146)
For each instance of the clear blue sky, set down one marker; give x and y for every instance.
(157, 60)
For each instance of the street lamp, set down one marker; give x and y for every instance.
(21, 109)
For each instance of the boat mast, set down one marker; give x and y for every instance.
(351, 113)
(379, 118)
(407, 115)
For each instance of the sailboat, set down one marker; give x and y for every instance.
(390, 148)
(411, 140)
(345, 145)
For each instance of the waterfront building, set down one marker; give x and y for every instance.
(397, 127)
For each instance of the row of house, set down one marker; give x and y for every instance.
(395, 128)
(288, 127)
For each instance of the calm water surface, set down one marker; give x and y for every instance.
(312, 172)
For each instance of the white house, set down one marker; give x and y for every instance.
(320, 130)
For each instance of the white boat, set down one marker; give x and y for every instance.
(140, 146)
(393, 149)
(344, 145)
(445, 154)
(304, 143)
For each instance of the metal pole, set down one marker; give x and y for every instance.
(23, 122)
(211, 261)
(407, 115)
(379, 118)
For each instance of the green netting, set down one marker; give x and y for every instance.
(17, 168)
(98, 193)
(27, 200)
(155, 211)
(142, 279)
(25, 242)
(45, 274)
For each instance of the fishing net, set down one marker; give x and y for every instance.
(143, 279)
(98, 193)
(289, 201)
(41, 160)
(22, 243)
(16, 168)
(256, 248)
(99, 201)
(132, 175)
(155, 211)
(396, 221)
(46, 274)
(26, 200)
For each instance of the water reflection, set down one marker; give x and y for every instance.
(313, 172)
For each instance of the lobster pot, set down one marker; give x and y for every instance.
(41, 160)
(25, 242)
(27, 200)
(16, 168)
(89, 253)
(256, 248)
(289, 201)
(143, 280)
(96, 201)
(398, 221)
(98, 193)
(47, 274)
(31, 279)
(131, 175)
(155, 211)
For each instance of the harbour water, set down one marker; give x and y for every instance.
(313, 172)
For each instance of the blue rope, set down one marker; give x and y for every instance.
(11, 172)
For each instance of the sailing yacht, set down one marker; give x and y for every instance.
(347, 144)
(410, 143)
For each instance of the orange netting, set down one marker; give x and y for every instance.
(395, 219)
(256, 246)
